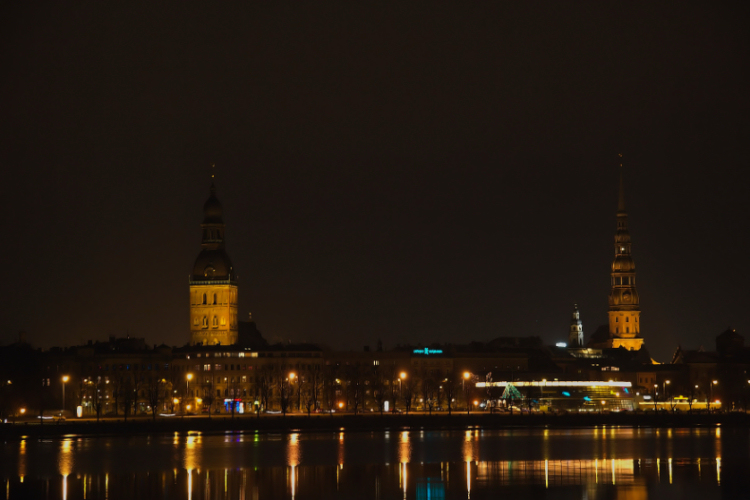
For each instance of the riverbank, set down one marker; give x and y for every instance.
(365, 422)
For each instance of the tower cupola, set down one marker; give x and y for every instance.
(213, 285)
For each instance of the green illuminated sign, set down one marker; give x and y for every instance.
(428, 351)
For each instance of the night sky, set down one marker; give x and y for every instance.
(406, 172)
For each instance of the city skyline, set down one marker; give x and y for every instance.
(412, 185)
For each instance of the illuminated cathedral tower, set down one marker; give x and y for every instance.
(624, 305)
(213, 285)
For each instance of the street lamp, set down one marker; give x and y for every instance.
(64, 380)
(466, 394)
(292, 376)
(711, 392)
(189, 378)
(401, 377)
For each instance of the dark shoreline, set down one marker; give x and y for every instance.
(367, 422)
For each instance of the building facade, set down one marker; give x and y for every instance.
(213, 284)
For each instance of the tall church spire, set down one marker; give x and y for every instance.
(621, 200)
(624, 303)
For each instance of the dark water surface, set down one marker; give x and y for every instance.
(595, 463)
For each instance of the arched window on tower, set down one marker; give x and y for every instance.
(216, 321)
(204, 299)
(214, 299)
(205, 322)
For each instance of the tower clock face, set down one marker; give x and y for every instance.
(626, 297)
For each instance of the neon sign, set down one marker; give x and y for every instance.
(428, 351)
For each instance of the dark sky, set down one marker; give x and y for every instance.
(409, 172)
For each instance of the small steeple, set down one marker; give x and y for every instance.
(575, 337)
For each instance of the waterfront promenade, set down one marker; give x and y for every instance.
(362, 422)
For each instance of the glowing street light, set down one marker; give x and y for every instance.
(711, 392)
(292, 376)
(401, 377)
(466, 394)
(189, 377)
(65, 378)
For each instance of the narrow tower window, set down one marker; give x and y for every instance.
(204, 299)
(214, 299)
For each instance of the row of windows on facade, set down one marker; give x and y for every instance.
(214, 300)
(244, 379)
(231, 367)
(258, 355)
(212, 234)
(627, 319)
(627, 330)
(214, 322)
(134, 367)
(227, 393)
(625, 280)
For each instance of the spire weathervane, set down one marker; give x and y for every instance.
(621, 200)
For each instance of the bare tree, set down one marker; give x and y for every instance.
(331, 383)
(357, 386)
(378, 388)
(450, 389)
(155, 393)
(409, 386)
(315, 380)
(265, 384)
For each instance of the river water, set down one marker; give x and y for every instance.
(591, 463)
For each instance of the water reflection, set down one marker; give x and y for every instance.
(415, 464)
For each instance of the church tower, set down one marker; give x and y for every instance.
(213, 285)
(575, 337)
(624, 304)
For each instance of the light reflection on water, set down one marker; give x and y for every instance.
(474, 463)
